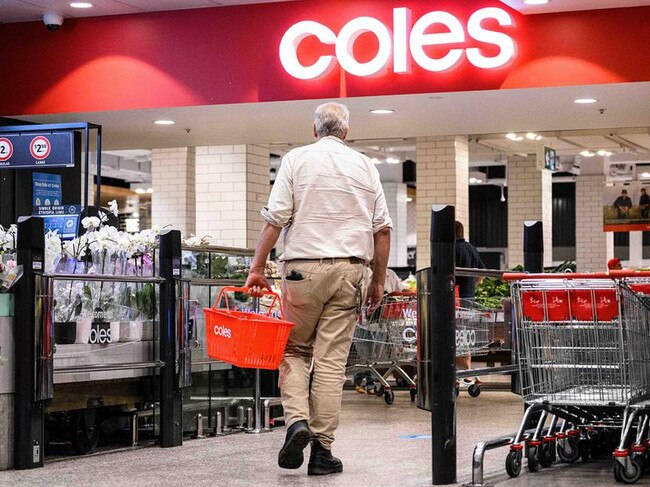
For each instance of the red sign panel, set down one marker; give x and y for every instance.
(313, 49)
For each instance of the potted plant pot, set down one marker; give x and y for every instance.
(84, 326)
(6, 304)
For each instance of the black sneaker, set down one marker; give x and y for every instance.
(298, 436)
(321, 461)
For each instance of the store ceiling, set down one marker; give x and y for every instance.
(544, 111)
(32, 10)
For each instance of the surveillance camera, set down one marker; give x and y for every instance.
(52, 20)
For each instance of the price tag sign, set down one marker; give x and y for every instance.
(37, 150)
(6, 149)
(40, 148)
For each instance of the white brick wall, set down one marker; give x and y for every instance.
(173, 179)
(232, 185)
(591, 241)
(395, 194)
(442, 176)
(530, 197)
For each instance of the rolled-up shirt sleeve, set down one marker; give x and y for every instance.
(380, 219)
(280, 207)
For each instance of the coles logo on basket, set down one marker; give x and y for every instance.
(222, 331)
(406, 41)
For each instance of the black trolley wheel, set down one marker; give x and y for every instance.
(474, 390)
(533, 459)
(621, 474)
(569, 452)
(513, 463)
(584, 450)
(546, 454)
(389, 397)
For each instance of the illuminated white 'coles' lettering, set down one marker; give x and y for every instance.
(399, 43)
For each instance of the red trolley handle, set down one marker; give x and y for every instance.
(234, 289)
(519, 276)
(403, 293)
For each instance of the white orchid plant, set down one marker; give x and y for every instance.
(8, 239)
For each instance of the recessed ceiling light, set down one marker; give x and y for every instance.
(511, 136)
(472, 180)
(604, 153)
(149, 190)
(382, 111)
(535, 2)
(517, 138)
(585, 101)
(80, 4)
(140, 191)
(392, 160)
(587, 153)
(375, 161)
(164, 122)
(408, 200)
(645, 174)
(531, 136)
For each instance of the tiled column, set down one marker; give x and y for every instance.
(442, 178)
(530, 197)
(591, 240)
(173, 180)
(232, 186)
(396, 200)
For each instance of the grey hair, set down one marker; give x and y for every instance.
(332, 119)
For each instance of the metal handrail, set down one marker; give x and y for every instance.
(469, 272)
(103, 278)
(158, 364)
(216, 249)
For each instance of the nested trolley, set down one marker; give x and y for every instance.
(583, 346)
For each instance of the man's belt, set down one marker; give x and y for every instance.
(330, 260)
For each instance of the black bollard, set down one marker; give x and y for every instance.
(171, 398)
(33, 354)
(533, 247)
(437, 344)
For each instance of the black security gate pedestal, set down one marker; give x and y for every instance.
(174, 340)
(32, 355)
(437, 344)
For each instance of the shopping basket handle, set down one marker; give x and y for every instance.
(235, 289)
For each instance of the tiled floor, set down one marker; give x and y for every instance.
(379, 445)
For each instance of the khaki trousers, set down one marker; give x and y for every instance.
(324, 307)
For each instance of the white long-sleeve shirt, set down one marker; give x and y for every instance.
(329, 199)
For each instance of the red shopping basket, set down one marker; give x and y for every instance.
(245, 339)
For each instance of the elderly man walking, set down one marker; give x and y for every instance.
(328, 209)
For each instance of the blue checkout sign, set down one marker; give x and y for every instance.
(37, 150)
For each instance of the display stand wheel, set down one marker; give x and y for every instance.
(474, 390)
(85, 431)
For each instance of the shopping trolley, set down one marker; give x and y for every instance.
(384, 342)
(583, 342)
(475, 337)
